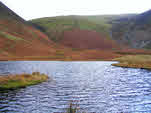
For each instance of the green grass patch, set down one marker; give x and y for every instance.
(55, 26)
(19, 81)
(11, 37)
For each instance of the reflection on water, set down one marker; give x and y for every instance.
(94, 86)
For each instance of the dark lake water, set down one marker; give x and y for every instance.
(94, 87)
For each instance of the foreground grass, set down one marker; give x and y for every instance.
(134, 61)
(19, 81)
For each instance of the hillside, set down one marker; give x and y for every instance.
(82, 32)
(134, 31)
(60, 38)
(87, 39)
(99, 23)
(19, 39)
(55, 26)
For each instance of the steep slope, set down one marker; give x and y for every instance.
(134, 31)
(18, 38)
(6, 13)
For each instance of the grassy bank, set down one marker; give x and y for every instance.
(134, 61)
(19, 81)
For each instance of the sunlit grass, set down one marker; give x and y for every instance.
(21, 80)
(134, 61)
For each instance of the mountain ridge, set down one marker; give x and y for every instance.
(60, 38)
(5, 12)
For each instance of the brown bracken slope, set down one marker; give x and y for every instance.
(19, 40)
(87, 39)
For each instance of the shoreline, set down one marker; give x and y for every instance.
(57, 60)
(10, 82)
(127, 61)
(137, 61)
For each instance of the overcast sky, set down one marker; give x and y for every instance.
(30, 9)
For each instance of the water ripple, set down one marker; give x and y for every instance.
(93, 86)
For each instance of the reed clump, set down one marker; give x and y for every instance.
(74, 108)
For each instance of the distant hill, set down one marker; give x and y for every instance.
(84, 32)
(72, 37)
(134, 31)
(22, 40)
(60, 24)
